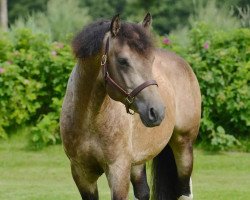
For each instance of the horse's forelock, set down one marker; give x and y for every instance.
(88, 42)
(136, 37)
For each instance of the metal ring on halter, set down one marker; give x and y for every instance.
(129, 111)
(130, 101)
(104, 59)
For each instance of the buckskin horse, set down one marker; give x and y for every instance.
(117, 65)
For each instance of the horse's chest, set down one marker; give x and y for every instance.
(104, 139)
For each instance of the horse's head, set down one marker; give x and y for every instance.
(130, 57)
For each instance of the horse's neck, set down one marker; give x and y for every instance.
(89, 90)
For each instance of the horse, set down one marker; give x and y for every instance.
(128, 102)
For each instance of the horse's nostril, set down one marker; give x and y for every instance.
(153, 117)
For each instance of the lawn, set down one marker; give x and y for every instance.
(45, 174)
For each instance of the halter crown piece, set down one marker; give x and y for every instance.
(129, 97)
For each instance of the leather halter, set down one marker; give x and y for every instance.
(129, 97)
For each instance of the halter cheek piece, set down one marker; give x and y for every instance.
(129, 97)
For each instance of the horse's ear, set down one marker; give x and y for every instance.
(146, 23)
(115, 25)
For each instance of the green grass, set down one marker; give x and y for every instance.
(45, 174)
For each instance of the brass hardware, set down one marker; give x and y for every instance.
(130, 100)
(104, 59)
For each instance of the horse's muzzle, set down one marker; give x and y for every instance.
(153, 116)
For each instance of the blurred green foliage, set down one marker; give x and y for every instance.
(167, 14)
(22, 8)
(57, 22)
(33, 78)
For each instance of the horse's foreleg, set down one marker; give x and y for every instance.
(118, 175)
(85, 183)
(139, 182)
(183, 153)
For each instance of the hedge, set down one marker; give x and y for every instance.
(33, 78)
(221, 62)
(34, 73)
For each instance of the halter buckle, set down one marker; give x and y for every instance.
(130, 100)
(104, 59)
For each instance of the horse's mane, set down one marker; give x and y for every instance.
(88, 42)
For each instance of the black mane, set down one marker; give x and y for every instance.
(88, 42)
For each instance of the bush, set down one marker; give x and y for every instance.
(33, 78)
(221, 61)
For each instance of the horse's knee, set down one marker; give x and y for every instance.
(139, 182)
(142, 193)
(118, 175)
(86, 185)
(89, 196)
(144, 196)
(183, 153)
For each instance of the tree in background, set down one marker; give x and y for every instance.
(104, 9)
(4, 14)
(168, 15)
(59, 21)
(23, 8)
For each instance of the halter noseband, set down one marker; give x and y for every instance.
(129, 97)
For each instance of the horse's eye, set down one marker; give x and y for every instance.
(123, 61)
